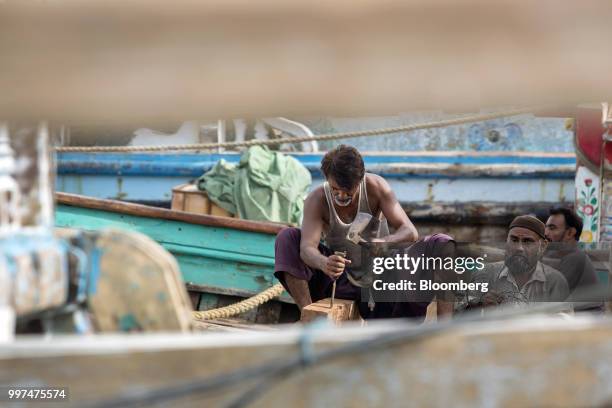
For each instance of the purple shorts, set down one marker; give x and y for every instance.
(288, 260)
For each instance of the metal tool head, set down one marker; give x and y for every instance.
(358, 225)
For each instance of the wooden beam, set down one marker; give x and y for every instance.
(165, 214)
(110, 61)
(506, 363)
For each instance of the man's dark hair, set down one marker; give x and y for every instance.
(345, 165)
(571, 219)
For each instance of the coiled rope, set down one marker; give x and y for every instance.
(241, 307)
(322, 137)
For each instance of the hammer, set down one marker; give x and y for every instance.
(358, 225)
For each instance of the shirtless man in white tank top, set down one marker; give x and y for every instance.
(350, 190)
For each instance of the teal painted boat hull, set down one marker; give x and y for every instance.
(212, 259)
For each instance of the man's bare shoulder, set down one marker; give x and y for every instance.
(374, 180)
(317, 194)
(315, 202)
(376, 184)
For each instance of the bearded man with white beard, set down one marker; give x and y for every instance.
(521, 278)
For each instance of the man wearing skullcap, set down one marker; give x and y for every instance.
(521, 277)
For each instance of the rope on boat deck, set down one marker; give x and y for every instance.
(241, 307)
(328, 136)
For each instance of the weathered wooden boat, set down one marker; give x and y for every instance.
(221, 259)
(499, 363)
(386, 362)
(451, 177)
(435, 188)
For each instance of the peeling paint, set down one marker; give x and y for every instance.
(121, 195)
(430, 195)
(517, 133)
(128, 322)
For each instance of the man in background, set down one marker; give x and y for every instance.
(521, 278)
(563, 229)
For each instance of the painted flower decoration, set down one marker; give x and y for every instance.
(588, 209)
(588, 182)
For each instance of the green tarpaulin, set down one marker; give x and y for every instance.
(264, 186)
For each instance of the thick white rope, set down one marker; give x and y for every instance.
(241, 307)
(329, 136)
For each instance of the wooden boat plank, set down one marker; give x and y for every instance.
(162, 213)
(220, 259)
(187, 237)
(387, 164)
(461, 367)
(238, 324)
(139, 287)
(431, 186)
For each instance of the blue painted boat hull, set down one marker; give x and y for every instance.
(416, 178)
